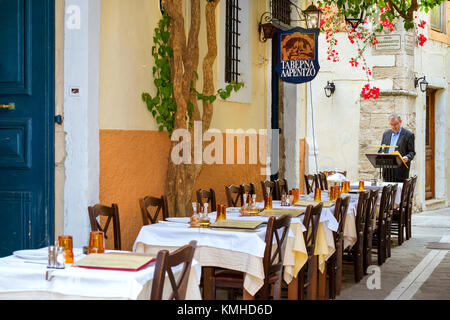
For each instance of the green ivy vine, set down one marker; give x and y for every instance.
(163, 106)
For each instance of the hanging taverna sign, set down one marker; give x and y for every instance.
(298, 54)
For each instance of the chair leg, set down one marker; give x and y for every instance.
(277, 287)
(338, 282)
(331, 270)
(400, 233)
(311, 291)
(388, 241)
(409, 228)
(301, 284)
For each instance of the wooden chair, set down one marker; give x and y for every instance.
(379, 234)
(307, 276)
(248, 188)
(112, 213)
(354, 256)
(399, 214)
(234, 195)
(311, 183)
(277, 233)
(165, 262)
(210, 195)
(273, 189)
(323, 181)
(368, 233)
(151, 207)
(389, 215)
(410, 207)
(334, 263)
(282, 187)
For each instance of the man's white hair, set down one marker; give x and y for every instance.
(394, 116)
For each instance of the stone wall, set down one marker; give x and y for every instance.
(401, 99)
(374, 121)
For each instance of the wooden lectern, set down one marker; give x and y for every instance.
(386, 161)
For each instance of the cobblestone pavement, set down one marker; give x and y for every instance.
(412, 271)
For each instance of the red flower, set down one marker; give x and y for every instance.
(353, 62)
(368, 92)
(422, 24)
(422, 39)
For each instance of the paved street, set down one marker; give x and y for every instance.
(412, 271)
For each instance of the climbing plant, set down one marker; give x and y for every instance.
(162, 105)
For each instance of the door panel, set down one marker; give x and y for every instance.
(15, 47)
(27, 130)
(430, 147)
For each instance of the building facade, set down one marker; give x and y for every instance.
(107, 147)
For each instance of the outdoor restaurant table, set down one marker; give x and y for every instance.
(243, 251)
(368, 186)
(236, 250)
(350, 235)
(22, 279)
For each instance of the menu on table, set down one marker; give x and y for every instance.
(305, 203)
(115, 261)
(237, 224)
(294, 213)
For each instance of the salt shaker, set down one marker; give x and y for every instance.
(56, 257)
(60, 258)
(51, 257)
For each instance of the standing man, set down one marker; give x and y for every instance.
(404, 140)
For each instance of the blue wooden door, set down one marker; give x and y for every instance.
(26, 124)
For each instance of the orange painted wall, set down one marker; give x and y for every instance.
(133, 164)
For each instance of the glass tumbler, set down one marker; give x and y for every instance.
(96, 242)
(67, 243)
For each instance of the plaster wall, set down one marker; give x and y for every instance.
(81, 53)
(133, 154)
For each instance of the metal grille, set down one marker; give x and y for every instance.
(232, 41)
(281, 11)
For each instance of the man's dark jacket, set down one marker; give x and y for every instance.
(406, 148)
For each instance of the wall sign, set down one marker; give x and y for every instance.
(389, 42)
(298, 55)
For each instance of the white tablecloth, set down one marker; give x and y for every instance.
(368, 186)
(327, 215)
(236, 250)
(25, 279)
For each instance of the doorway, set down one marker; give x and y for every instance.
(26, 124)
(430, 192)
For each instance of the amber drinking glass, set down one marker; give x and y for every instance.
(96, 242)
(67, 243)
(221, 212)
(331, 193)
(317, 195)
(361, 186)
(268, 202)
(296, 195)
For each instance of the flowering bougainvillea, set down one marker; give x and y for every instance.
(381, 17)
(370, 92)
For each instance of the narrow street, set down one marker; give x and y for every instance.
(413, 272)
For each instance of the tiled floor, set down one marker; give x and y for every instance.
(427, 227)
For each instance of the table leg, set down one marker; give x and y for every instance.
(208, 283)
(293, 289)
(322, 287)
